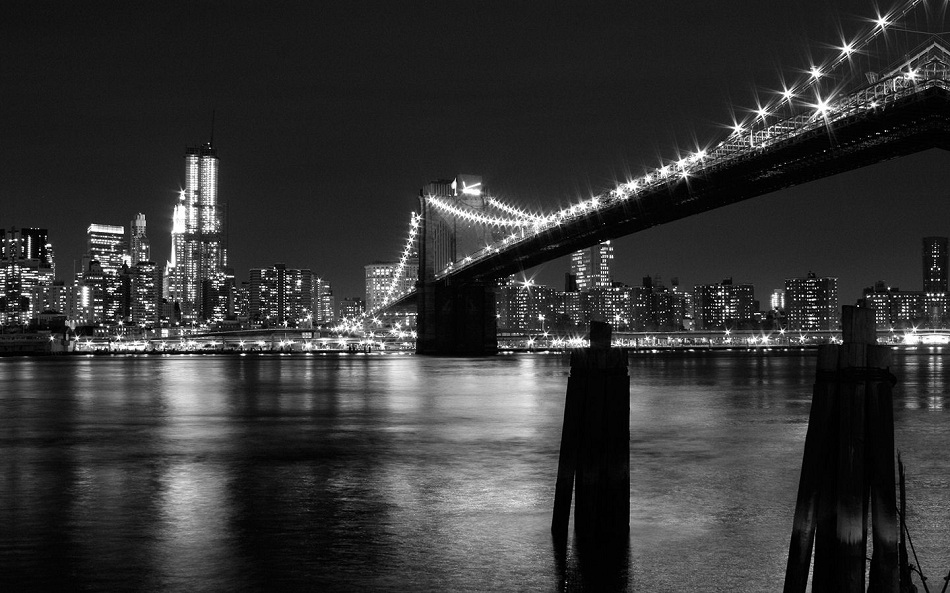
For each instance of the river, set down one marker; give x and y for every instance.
(408, 473)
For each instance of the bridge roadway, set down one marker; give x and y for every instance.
(914, 123)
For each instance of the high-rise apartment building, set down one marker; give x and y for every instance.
(323, 302)
(811, 303)
(591, 267)
(934, 254)
(196, 272)
(724, 306)
(280, 296)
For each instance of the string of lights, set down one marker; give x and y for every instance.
(476, 217)
(400, 268)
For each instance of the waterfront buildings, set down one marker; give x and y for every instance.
(196, 272)
(324, 304)
(724, 306)
(351, 308)
(26, 269)
(526, 306)
(280, 296)
(811, 303)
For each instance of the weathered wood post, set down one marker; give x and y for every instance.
(595, 442)
(848, 464)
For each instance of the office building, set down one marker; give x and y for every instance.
(591, 267)
(379, 280)
(196, 272)
(26, 266)
(138, 241)
(811, 303)
(106, 245)
(144, 294)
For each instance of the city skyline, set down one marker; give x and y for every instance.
(546, 106)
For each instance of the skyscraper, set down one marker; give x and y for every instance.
(105, 244)
(138, 241)
(935, 264)
(591, 266)
(196, 271)
(26, 265)
(280, 296)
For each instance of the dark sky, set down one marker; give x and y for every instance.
(331, 116)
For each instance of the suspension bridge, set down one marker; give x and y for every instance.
(883, 94)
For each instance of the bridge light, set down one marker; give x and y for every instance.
(816, 72)
(762, 112)
(787, 94)
(911, 75)
(737, 130)
(882, 22)
(848, 49)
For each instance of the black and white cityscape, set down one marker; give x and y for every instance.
(474, 296)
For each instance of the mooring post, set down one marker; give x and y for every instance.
(595, 441)
(816, 470)
(847, 466)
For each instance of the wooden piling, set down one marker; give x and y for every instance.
(595, 442)
(848, 464)
(816, 469)
(850, 510)
(885, 563)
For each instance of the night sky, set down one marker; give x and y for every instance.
(330, 118)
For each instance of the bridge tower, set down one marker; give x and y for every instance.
(453, 318)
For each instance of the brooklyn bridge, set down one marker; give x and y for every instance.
(883, 95)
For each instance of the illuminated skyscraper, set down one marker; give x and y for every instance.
(280, 296)
(323, 302)
(105, 245)
(935, 264)
(26, 267)
(591, 266)
(196, 271)
(138, 241)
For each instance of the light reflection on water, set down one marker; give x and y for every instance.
(209, 473)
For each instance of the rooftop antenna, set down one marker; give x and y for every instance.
(211, 142)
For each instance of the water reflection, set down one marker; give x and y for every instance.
(184, 473)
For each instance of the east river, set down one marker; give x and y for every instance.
(407, 473)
